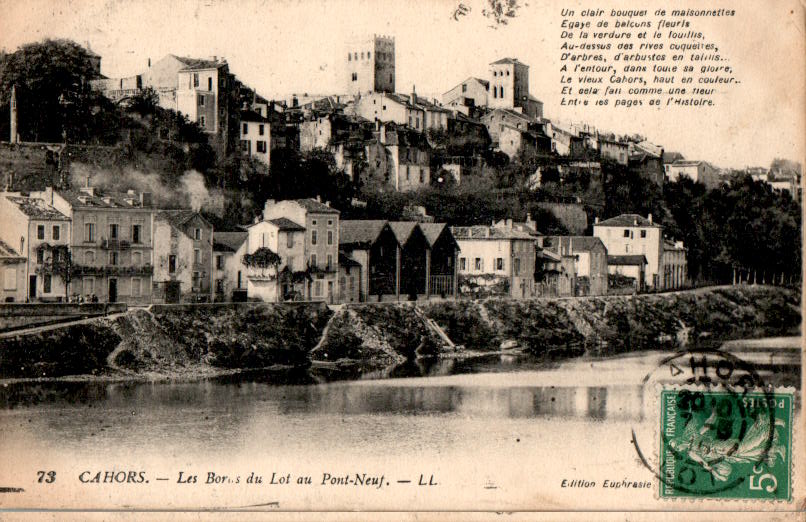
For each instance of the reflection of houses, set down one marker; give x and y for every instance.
(183, 257)
(111, 243)
(496, 260)
(627, 272)
(590, 261)
(229, 276)
(401, 258)
(42, 234)
(13, 266)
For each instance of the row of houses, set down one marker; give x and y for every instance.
(64, 244)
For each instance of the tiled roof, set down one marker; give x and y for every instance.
(36, 208)
(176, 218)
(346, 261)
(487, 232)
(195, 64)
(575, 244)
(672, 157)
(629, 259)
(481, 81)
(360, 231)
(628, 220)
(311, 205)
(432, 231)
(250, 115)
(78, 198)
(286, 224)
(6, 252)
(506, 60)
(521, 226)
(228, 241)
(403, 230)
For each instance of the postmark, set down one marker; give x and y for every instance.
(720, 430)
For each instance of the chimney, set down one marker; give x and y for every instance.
(87, 189)
(318, 198)
(266, 206)
(145, 199)
(509, 223)
(15, 137)
(413, 99)
(649, 217)
(49, 195)
(529, 218)
(327, 203)
(635, 222)
(596, 220)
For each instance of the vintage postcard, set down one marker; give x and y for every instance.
(389, 260)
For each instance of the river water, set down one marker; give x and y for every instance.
(492, 432)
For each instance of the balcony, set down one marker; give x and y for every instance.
(115, 244)
(110, 270)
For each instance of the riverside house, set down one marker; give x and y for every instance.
(631, 234)
(229, 272)
(275, 262)
(41, 233)
(590, 261)
(183, 257)
(496, 260)
(13, 267)
(320, 247)
(111, 243)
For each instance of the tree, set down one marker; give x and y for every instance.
(54, 96)
(59, 263)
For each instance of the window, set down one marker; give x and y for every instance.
(260, 129)
(330, 222)
(362, 55)
(137, 258)
(200, 100)
(369, 55)
(90, 257)
(40, 231)
(136, 287)
(355, 77)
(643, 234)
(219, 286)
(627, 249)
(197, 234)
(329, 261)
(261, 146)
(219, 262)
(422, 176)
(507, 73)
(40, 256)
(499, 263)
(349, 57)
(46, 281)
(10, 279)
(462, 263)
(210, 84)
(57, 232)
(196, 280)
(317, 288)
(88, 284)
(313, 260)
(136, 230)
(195, 79)
(202, 121)
(517, 266)
(289, 240)
(626, 233)
(313, 222)
(313, 237)
(464, 87)
(245, 130)
(355, 56)
(329, 237)
(113, 231)
(196, 256)
(113, 258)
(172, 264)
(478, 264)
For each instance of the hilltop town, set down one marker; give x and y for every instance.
(182, 184)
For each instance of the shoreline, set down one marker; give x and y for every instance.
(199, 373)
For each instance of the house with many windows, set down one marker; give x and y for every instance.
(632, 234)
(111, 242)
(319, 254)
(496, 260)
(282, 241)
(590, 261)
(255, 136)
(37, 232)
(183, 257)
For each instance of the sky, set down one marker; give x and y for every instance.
(282, 47)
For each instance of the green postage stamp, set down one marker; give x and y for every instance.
(725, 445)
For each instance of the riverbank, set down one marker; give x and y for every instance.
(197, 341)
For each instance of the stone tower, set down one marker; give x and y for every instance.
(370, 65)
(15, 137)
